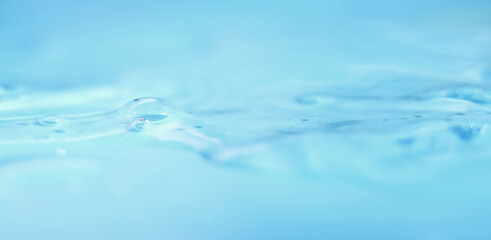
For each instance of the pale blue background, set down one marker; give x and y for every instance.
(221, 54)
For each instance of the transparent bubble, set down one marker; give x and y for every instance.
(49, 120)
(150, 109)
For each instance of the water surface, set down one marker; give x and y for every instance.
(245, 120)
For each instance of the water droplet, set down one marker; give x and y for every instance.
(59, 131)
(198, 126)
(49, 120)
(150, 109)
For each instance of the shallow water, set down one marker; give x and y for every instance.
(280, 120)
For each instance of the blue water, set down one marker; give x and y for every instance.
(245, 120)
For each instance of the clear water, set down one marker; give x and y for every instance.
(245, 120)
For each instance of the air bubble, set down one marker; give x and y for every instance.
(49, 120)
(150, 109)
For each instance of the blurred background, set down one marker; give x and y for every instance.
(303, 119)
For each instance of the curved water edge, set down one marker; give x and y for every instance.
(136, 115)
(422, 127)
